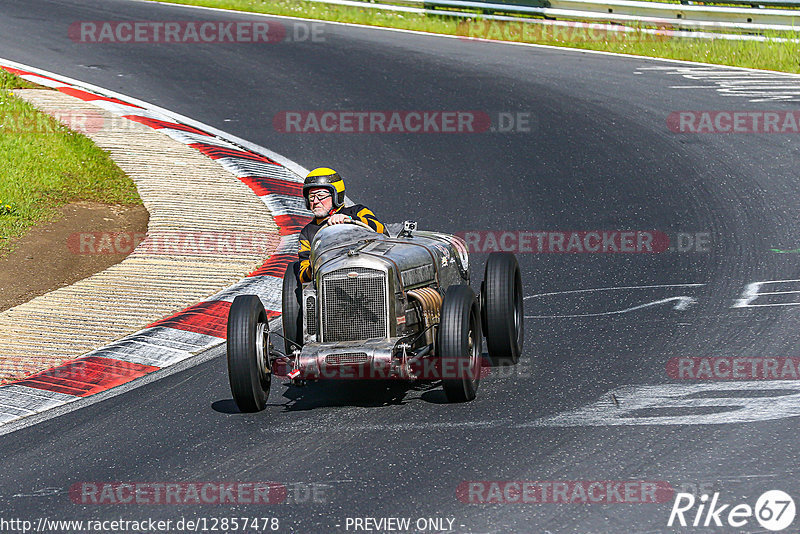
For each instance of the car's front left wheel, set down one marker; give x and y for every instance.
(249, 370)
(503, 315)
(460, 344)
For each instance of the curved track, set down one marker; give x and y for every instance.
(599, 157)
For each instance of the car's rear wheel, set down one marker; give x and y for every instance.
(502, 313)
(249, 370)
(460, 344)
(291, 311)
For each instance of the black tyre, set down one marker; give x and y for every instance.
(502, 312)
(484, 328)
(460, 344)
(291, 312)
(249, 372)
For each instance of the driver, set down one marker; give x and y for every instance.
(323, 190)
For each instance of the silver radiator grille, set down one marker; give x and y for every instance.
(354, 305)
(346, 358)
(311, 316)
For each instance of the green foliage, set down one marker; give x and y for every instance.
(44, 165)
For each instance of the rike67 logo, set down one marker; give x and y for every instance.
(774, 510)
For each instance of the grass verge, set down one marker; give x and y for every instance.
(44, 165)
(771, 55)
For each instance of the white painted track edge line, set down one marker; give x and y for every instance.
(512, 43)
(82, 402)
(194, 360)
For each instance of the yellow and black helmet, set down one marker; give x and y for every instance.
(327, 178)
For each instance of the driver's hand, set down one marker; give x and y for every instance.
(339, 218)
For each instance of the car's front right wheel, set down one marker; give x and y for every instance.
(249, 370)
(460, 344)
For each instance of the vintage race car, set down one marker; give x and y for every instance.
(380, 307)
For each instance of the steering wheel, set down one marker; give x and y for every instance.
(351, 221)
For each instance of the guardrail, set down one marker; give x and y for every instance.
(546, 3)
(751, 3)
(716, 18)
(651, 13)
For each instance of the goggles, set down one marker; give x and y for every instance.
(319, 196)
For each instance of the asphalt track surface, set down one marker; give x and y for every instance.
(598, 157)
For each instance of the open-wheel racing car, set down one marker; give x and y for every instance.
(380, 307)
